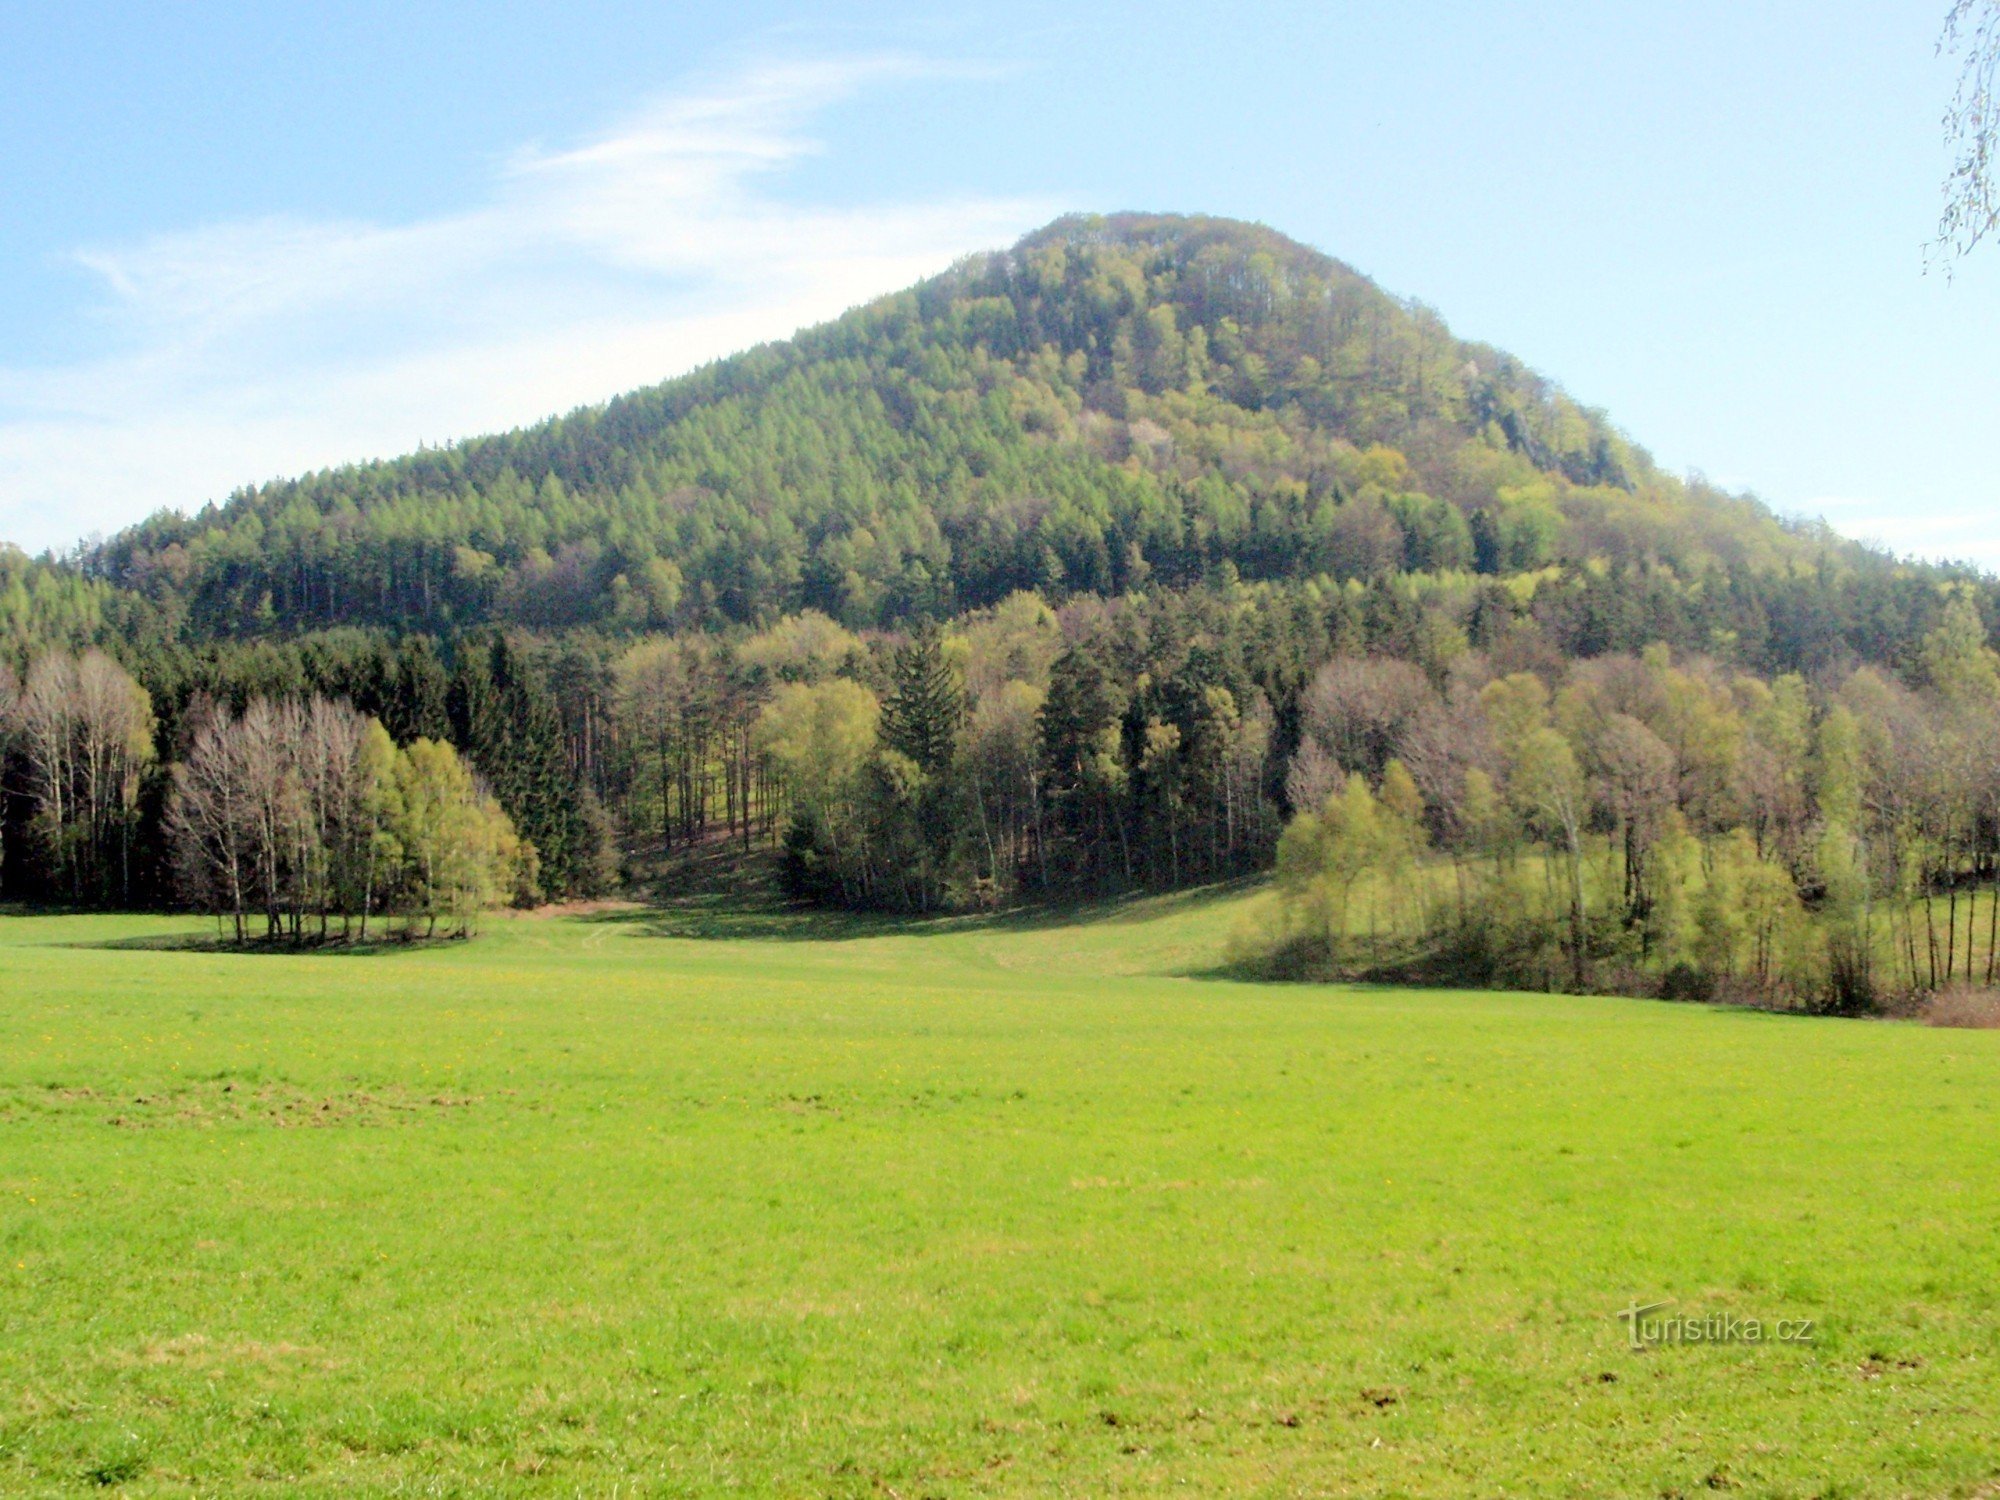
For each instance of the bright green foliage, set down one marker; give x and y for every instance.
(459, 852)
(820, 737)
(1657, 823)
(1956, 659)
(1323, 856)
(1838, 767)
(44, 605)
(804, 647)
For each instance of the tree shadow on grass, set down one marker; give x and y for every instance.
(736, 916)
(209, 942)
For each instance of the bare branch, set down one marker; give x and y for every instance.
(1972, 127)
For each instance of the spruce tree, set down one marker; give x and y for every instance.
(473, 705)
(926, 704)
(532, 776)
(417, 703)
(923, 818)
(1082, 775)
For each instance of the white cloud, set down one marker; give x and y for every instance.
(249, 350)
(1941, 532)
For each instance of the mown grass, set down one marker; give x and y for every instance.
(708, 1200)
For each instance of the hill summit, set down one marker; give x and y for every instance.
(1115, 402)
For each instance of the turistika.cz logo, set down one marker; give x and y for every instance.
(1645, 1330)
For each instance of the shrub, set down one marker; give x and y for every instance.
(1974, 1007)
(1683, 981)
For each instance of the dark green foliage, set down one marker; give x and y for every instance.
(478, 726)
(926, 705)
(809, 864)
(508, 724)
(417, 704)
(1082, 772)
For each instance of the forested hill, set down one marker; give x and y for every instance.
(1077, 569)
(1115, 403)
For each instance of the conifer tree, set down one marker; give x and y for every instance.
(533, 779)
(473, 703)
(926, 704)
(1082, 771)
(418, 695)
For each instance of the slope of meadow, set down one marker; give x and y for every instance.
(710, 1198)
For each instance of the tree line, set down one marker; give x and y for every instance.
(1442, 786)
(1652, 823)
(284, 819)
(1008, 752)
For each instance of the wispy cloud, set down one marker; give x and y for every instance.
(247, 350)
(1939, 532)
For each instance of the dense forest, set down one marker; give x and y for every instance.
(1036, 579)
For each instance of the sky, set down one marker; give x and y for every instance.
(244, 241)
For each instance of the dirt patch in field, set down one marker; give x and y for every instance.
(199, 1351)
(576, 909)
(281, 1106)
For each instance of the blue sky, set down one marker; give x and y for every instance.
(237, 243)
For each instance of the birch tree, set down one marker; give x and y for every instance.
(86, 730)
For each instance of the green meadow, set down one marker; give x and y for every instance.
(708, 1199)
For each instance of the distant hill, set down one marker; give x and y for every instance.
(1115, 402)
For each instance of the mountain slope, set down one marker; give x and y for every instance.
(1114, 400)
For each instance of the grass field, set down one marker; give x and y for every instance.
(699, 1201)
